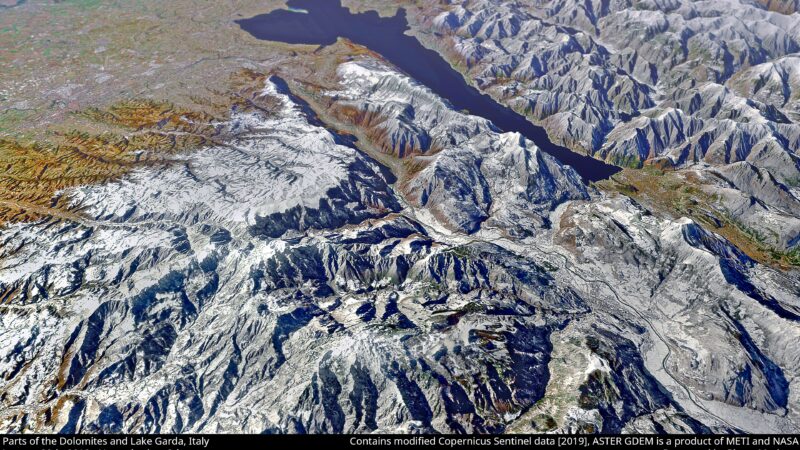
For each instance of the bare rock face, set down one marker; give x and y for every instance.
(282, 281)
(785, 7)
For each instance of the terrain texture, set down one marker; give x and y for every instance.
(203, 232)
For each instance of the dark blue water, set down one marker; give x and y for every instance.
(327, 20)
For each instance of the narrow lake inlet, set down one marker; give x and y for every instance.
(322, 22)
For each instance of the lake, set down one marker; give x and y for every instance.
(321, 22)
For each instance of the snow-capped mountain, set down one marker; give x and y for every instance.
(284, 280)
(679, 84)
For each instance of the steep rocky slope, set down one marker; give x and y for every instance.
(462, 169)
(284, 280)
(677, 84)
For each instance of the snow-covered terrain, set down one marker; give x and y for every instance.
(674, 83)
(282, 281)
